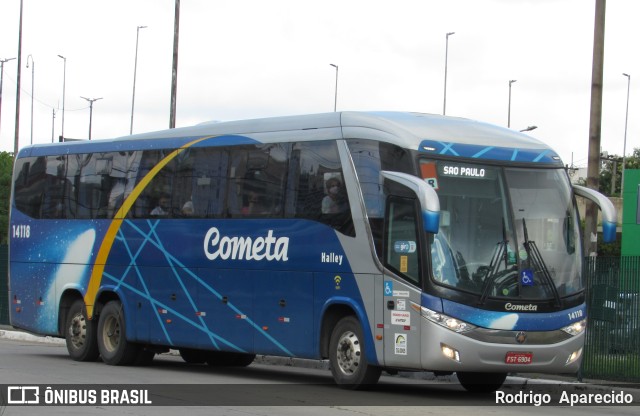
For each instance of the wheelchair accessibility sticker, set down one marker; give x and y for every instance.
(388, 288)
(526, 277)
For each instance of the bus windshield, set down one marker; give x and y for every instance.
(505, 232)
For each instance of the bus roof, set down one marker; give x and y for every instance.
(425, 132)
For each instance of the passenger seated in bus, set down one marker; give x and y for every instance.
(254, 204)
(187, 209)
(334, 202)
(163, 208)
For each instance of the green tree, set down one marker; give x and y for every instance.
(6, 169)
(606, 171)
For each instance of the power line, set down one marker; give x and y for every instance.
(40, 101)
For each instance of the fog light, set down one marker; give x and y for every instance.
(574, 356)
(450, 353)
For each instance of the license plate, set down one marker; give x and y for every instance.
(518, 357)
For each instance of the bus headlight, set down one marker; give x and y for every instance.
(446, 321)
(576, 328)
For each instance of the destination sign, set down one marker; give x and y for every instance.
(466, 171)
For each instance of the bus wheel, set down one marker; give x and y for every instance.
(347, 359)
(80, 334)
(481, 382)
(112, 340)
(229, 359)
(244, 360)
(193, 356)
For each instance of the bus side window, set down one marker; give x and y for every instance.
(93, 185)
(369, 158)
(55, 196)
(29, 185)
(207, 192)
(119, 173)
(313, 168)
(144, 204)
(401, 238)
(257, 179)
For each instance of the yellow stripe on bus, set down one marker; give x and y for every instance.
(110, 236)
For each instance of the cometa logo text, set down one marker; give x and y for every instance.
(525, 308)
(245, 248)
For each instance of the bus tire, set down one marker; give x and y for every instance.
(347, 358)
(112, 337)
(80, 334)
(229, 359)
(244, 360)
(193, 356)
(481, 382)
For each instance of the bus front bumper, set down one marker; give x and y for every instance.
(446, 350)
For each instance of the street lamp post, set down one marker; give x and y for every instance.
(446, 59)
(90, 100)
(16, 137)
(64, 88)
(2, 61)
(53, 123)
(335, 100)
(509, 110)
(33, 70)
(624, 146)
(135, 69)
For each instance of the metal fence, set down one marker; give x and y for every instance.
(613, 335)
(612, 349)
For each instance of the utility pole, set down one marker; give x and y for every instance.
(446, 60)
(135, 70)
(91, 100)
(174, 72)
(53, 123)
(509, 110)
(626, 121)
(64, 90)
(335, 99)
(614, 169)
(16, 142)
(595, 124)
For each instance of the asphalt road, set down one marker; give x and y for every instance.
(173, 386)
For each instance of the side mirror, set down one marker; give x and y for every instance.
(609, 215)
(427, 196)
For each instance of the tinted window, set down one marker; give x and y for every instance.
(292, 180)
(29, 183)
(316, 186)
(402, 243)
(257, 178)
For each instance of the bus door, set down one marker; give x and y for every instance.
(402, 248)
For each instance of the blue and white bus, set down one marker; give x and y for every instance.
(378, 241)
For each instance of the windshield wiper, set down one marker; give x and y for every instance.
(538, 263)
(494, 266)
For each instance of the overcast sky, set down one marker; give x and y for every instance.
(244, 59)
